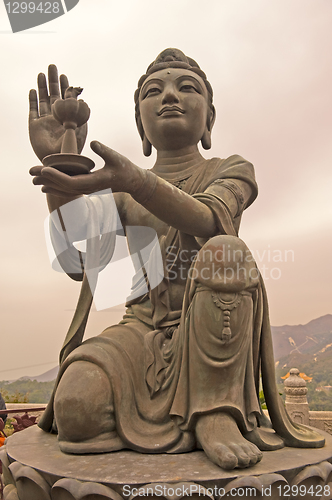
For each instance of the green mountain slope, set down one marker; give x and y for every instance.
(308, 348)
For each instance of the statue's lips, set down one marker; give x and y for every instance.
(170, 110)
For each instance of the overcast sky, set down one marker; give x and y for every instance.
(270, 67)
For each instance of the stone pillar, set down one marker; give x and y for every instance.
(296, 397)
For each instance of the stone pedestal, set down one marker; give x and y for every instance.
(35, 469)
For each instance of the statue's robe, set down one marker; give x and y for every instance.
(167, 361)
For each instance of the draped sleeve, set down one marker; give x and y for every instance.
(228, 188)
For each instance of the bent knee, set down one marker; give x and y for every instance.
(225, 264)
(83, 401)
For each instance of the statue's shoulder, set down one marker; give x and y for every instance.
(232, 160)
(233, 165)
(234, 168)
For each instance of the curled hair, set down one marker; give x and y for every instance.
(169, 58)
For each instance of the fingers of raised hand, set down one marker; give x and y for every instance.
(44, 99)
(48, 95)
(64, 84)
(53, 83)
(33, 103)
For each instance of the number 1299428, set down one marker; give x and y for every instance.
(317, 491)
(33, 7)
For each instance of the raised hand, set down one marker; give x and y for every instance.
(118, 173)
(46, 133)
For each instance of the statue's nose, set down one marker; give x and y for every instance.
(170, 96)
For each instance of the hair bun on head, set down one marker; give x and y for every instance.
(169, 55)
(172, 58)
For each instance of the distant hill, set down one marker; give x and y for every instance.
(308, 348)
(47, 376)
(313, 338)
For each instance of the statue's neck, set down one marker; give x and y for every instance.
(177, 161)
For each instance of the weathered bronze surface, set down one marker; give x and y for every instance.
(35, 468)
(182, 370)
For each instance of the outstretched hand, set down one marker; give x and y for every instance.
(118, 173)
(46, 133)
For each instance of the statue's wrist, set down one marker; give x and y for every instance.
(144, 190)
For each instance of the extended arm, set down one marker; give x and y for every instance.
(184, 212)
(165, 201)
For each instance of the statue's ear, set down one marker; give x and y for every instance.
(212, 117)
(147, 148)
(206, 139)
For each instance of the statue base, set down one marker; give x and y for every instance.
(34, 468)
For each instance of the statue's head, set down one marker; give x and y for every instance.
(174, 100)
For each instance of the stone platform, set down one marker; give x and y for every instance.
(35, 469)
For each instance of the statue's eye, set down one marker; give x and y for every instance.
(152, 91)
(188, 88)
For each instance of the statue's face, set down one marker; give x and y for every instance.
(174, 108)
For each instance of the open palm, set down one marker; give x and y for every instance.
(46, 133)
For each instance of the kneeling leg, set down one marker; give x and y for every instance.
(223, 314)
(83, 409)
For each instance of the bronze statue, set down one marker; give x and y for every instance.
(182, 369)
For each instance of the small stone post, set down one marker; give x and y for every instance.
(296, 397)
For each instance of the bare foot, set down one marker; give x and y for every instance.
(223, 442)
